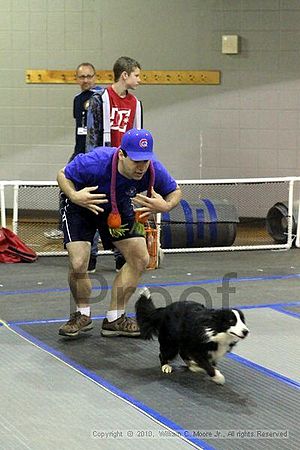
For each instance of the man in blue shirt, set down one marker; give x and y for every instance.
(104, 189)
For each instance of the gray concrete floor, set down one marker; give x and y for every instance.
(39, 291)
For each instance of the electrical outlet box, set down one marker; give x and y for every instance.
(230, 44)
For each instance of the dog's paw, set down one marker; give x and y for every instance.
(166, 368)
(193, 367)
(218, 378)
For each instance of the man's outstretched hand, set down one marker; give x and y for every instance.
(88, 200)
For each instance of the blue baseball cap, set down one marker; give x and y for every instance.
(138, 144)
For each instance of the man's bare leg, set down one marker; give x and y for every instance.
(116, 323)
(79, 280)
(80, 286)
(126, 281)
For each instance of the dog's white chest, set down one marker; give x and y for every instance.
(224, 345)
(218, 354)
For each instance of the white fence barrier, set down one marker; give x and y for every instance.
(214, 215)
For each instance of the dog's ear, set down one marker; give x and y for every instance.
(220, 316)
(144, 292)
(241, 314)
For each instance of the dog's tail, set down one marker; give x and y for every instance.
(148, 317)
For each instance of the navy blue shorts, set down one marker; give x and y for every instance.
(80, 224)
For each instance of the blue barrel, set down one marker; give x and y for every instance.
(208, 223)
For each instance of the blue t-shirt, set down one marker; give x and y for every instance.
(95, 169)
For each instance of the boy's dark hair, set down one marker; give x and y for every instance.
(124, 64)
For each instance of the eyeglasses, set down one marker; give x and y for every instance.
(88, 77)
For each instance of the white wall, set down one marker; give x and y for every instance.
(249, 124)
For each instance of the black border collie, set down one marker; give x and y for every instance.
(200, 336)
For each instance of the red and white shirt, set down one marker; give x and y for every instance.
(109, 116)
(122, 114)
